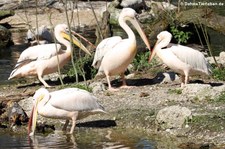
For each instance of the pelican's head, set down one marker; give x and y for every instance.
(129, 14)
(39, 95)
(62, 32)
(164, 39)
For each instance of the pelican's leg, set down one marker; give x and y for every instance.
(74, 118)
(124, 84)
(186, 79)
(182, 81)
(65, 125)
(42, 80)
(109, 84)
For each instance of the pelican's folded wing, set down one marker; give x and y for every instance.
(45, 51)
(74, 99)
(103, 47)
(192, 57)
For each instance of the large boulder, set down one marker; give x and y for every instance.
(202, 91)
(173, 117)
(220, 59)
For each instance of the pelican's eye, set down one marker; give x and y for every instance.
(136, 15)
(67, 29)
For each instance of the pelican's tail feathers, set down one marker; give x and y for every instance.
(12, 74)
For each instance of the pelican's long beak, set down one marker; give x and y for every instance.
(33, 120)
(141, 32)
(75, 41)
(153, 52)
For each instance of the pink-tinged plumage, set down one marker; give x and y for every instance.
(114, 54)
(40, 60)
(69, 104)
(182, 59)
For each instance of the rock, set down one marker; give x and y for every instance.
(137, 5)
(97, 87)
(166, 77)
(173, 117)
(222, 58)
(16, 114)
(5, 37)
(202, 91)
(105, 28)
(6, 13)
(26, 104)
(42, 34)
(18, 4)
(198, 16)
(197, 91)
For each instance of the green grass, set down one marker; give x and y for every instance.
(208, 122)
(175, 91)
(219, 74)
(221, 97)
(140, 61)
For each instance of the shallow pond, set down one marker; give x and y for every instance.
(83, 139)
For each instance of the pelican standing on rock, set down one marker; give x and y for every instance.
(183, 60)
(42, 59)
(114, 54)
(70, 104)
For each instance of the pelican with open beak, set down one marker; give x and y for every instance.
(40, 60)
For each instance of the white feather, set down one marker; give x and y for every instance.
(40, 52)
(105, 46)
(192, 57)
(74, 99)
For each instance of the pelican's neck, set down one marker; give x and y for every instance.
(162, 44)
(44, 101)
(127, 29)
(64, 42)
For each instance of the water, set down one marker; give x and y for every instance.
(83, 139)
(9, 56)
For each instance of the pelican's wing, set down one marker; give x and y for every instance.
(45, 51)
(192, 57)
(74, 99)
(103, 47)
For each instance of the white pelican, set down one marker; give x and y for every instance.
(114, 54)
(183, 60)
(42, 59)
(70, 104)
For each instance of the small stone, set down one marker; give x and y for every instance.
(143, 94)
(97, 87)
